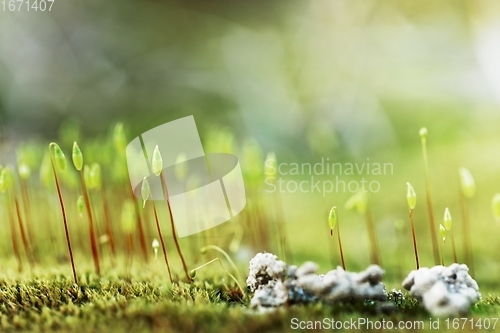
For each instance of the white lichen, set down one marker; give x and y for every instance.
(443, 291)
(273, 294)
(339, 285)
(264, 267)
(275, 284)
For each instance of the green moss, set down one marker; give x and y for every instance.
(115, 304)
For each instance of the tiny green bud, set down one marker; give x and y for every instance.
(193, 182)
(119, 138)
(192, 274)
(447, 219)
(423, 133)
(145, 192)
(495, 206)
(24, 171)
(59, 158)
(411, 197)
(180, 167)
(128, 216)
(226, 141)
(467, 183)
(332, 218)
(357, 201)
(95, 176)
(86, 176)
(253, 160)
(104, 239)
(442, 232)
(270, 167)
(399, 224)
(80, 205)
(6, 180)
(77, 157)
(45, 171)
(28, 154)
(157, 162)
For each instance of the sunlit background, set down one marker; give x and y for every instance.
(344, 80)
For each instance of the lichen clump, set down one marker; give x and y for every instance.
(274, 283)
(444, 291)
(339, 285)
(264, 267)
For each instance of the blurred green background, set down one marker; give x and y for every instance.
(354, 75)
(347, 80)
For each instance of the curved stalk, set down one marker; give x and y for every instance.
(221, 251)
(193, 272)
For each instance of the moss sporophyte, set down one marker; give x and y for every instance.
(359, 202)
(467, 191)
(411, 199)
(58, 160)
(157, 167)
(84, 172)
(435, 249)
(146, 193)
(448, 223)
(333, 222)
